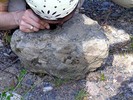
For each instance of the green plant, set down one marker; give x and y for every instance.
(8, 92)
(5, 96)
(20, 78)
(58, 82)
(102, 78)
(81, 95)
(6, 37)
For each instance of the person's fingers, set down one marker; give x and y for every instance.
(25, 27)
(31, 22)
(33, 19)
(28, 31)
(32, 15)
(34, 29)
(46, 25)
(22, 28)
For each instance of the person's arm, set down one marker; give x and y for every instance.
(8, 20)
(26, 20)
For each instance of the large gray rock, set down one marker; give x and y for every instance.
(71, 51)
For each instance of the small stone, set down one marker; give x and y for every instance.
(5, 54)
(47, 87)
(1, 44)
(15, 96)
(119, 79)
(116, 15)
(29, 82)
(105, 6)
(114, 81)
(107, 87)
(131, 86)
(117, 37)
(131, 63)
(92, 89)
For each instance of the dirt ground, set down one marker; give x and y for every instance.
(113, 81)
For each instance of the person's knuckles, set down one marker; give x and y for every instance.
(22, 23)
(44, 25)
(28, 31)
(36, 29)
(38, 20)
(25, 18)
(22, 29)
(37, 26)
(28, 11)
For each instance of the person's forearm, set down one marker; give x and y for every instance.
(9, 20)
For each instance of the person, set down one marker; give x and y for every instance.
(15, 14)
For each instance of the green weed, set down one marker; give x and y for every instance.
(102, 78)
(81, 95)
(8, 92)
(6, 37)
(58, 82)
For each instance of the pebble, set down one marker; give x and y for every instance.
(131, 86)
(47, 87)
(92, 88)
(1, 44)
(119, 79)
(29, 82)
(15, 96)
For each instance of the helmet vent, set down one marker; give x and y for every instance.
(44, 6)
(55, 6)
(48, 11)
(64, 9)
(54, 13)
(57, 15)
(38, 12)
(59, 1)
(42, 11)
(71, 0)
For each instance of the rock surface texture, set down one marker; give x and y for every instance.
(124, 3)
(68, 52)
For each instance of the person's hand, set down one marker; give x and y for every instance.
(30, 22)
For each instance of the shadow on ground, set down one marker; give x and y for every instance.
(125, 92)
(109, 13)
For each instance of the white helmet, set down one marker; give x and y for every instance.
(52, 9)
